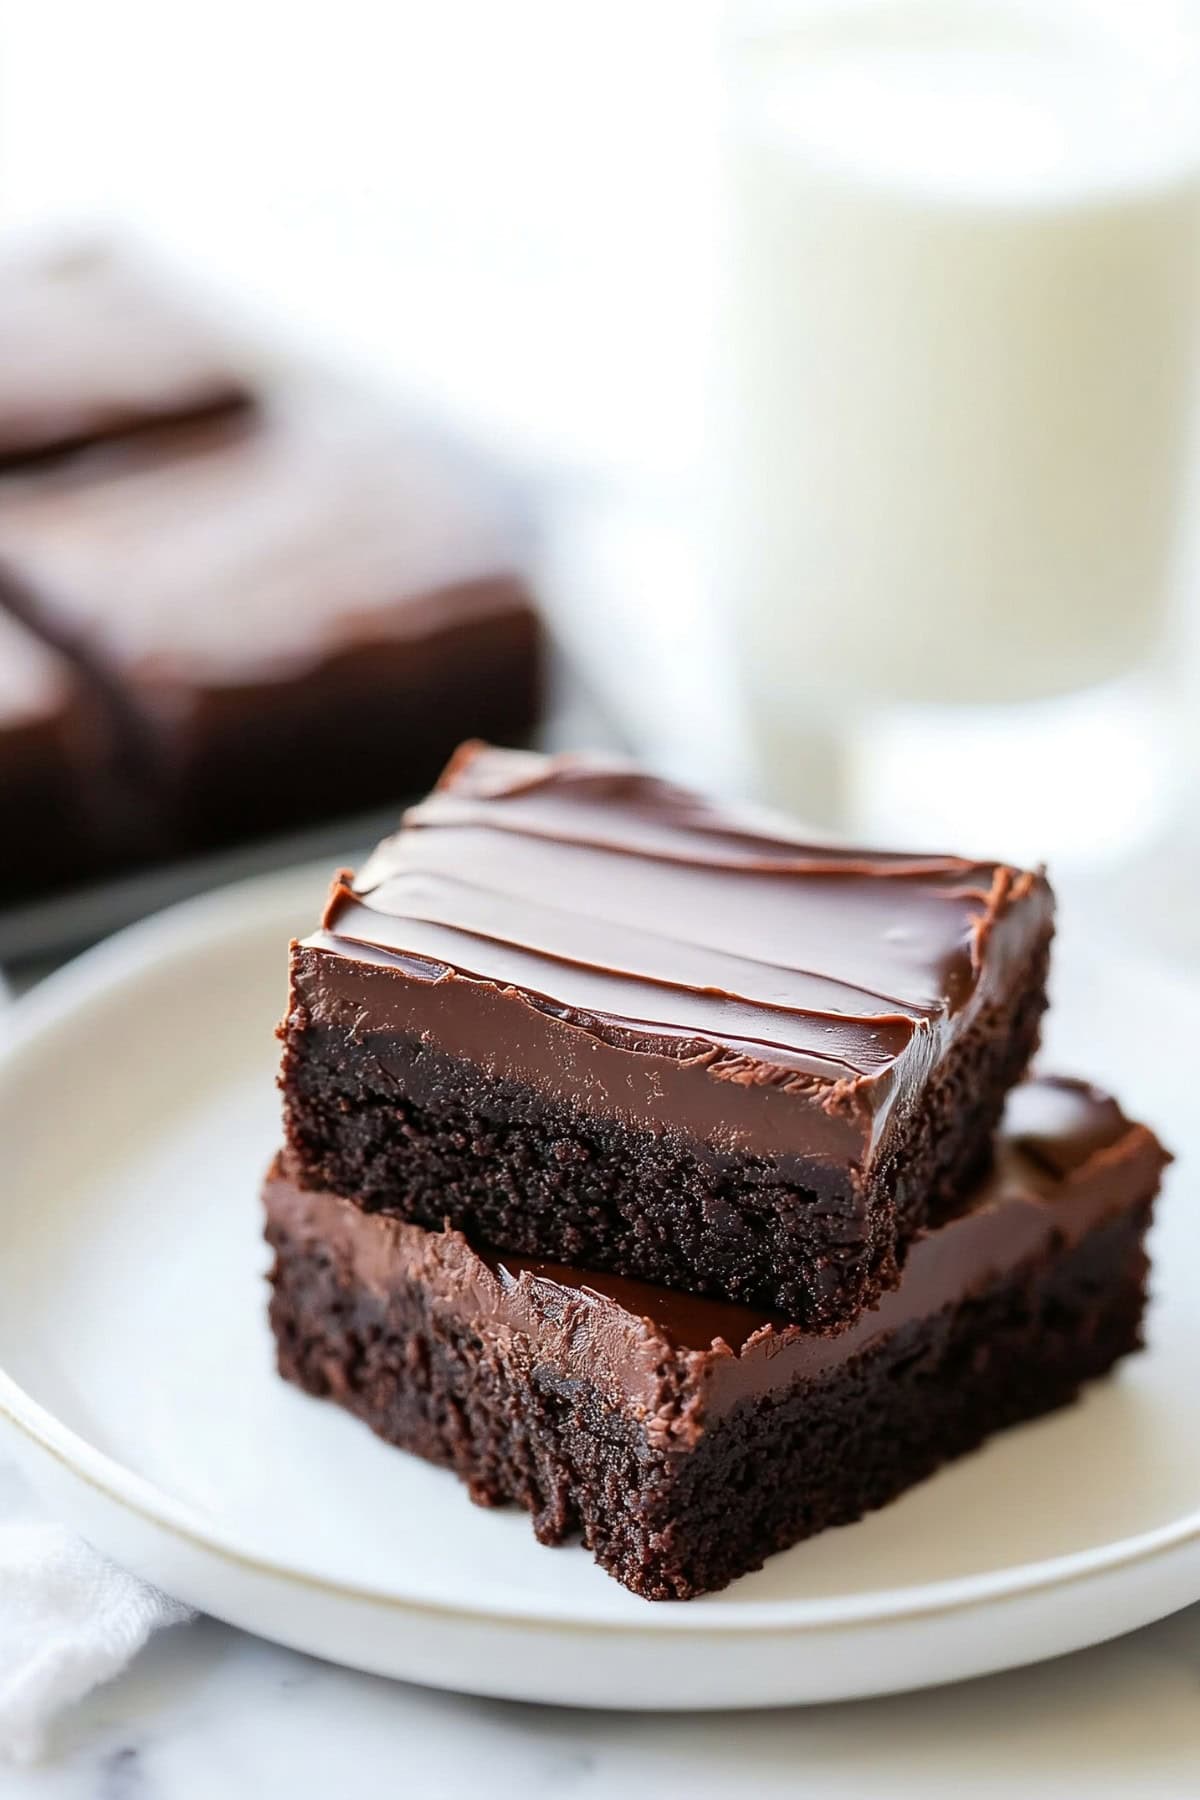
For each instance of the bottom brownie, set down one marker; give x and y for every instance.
(688, 1439)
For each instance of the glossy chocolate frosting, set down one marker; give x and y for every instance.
(633, 948)
(1066, 1161)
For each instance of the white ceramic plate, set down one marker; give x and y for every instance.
(137, 1111)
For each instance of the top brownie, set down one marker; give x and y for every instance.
(587, 1016)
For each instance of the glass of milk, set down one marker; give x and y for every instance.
(958, 329)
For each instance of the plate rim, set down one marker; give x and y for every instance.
(140, 947)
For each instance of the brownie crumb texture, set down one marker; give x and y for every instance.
(671, 1524)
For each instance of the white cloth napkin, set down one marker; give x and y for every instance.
(69, 1619)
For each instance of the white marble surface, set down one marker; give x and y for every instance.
(210, 1714)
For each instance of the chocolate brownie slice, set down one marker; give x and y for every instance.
(585, 1015)
(689, 1439)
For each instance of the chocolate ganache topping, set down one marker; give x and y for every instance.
(531, 900)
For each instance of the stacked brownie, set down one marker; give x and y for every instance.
(680, 1179)
(228, 608)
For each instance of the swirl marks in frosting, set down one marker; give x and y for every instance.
(632, 909)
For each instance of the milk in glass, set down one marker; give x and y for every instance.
(957, 345)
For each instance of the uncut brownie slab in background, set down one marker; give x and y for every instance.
(304, 607)
(690, 1439)
(254, 607)
(586, 1016)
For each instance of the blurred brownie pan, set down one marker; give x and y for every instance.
(586, 1016)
